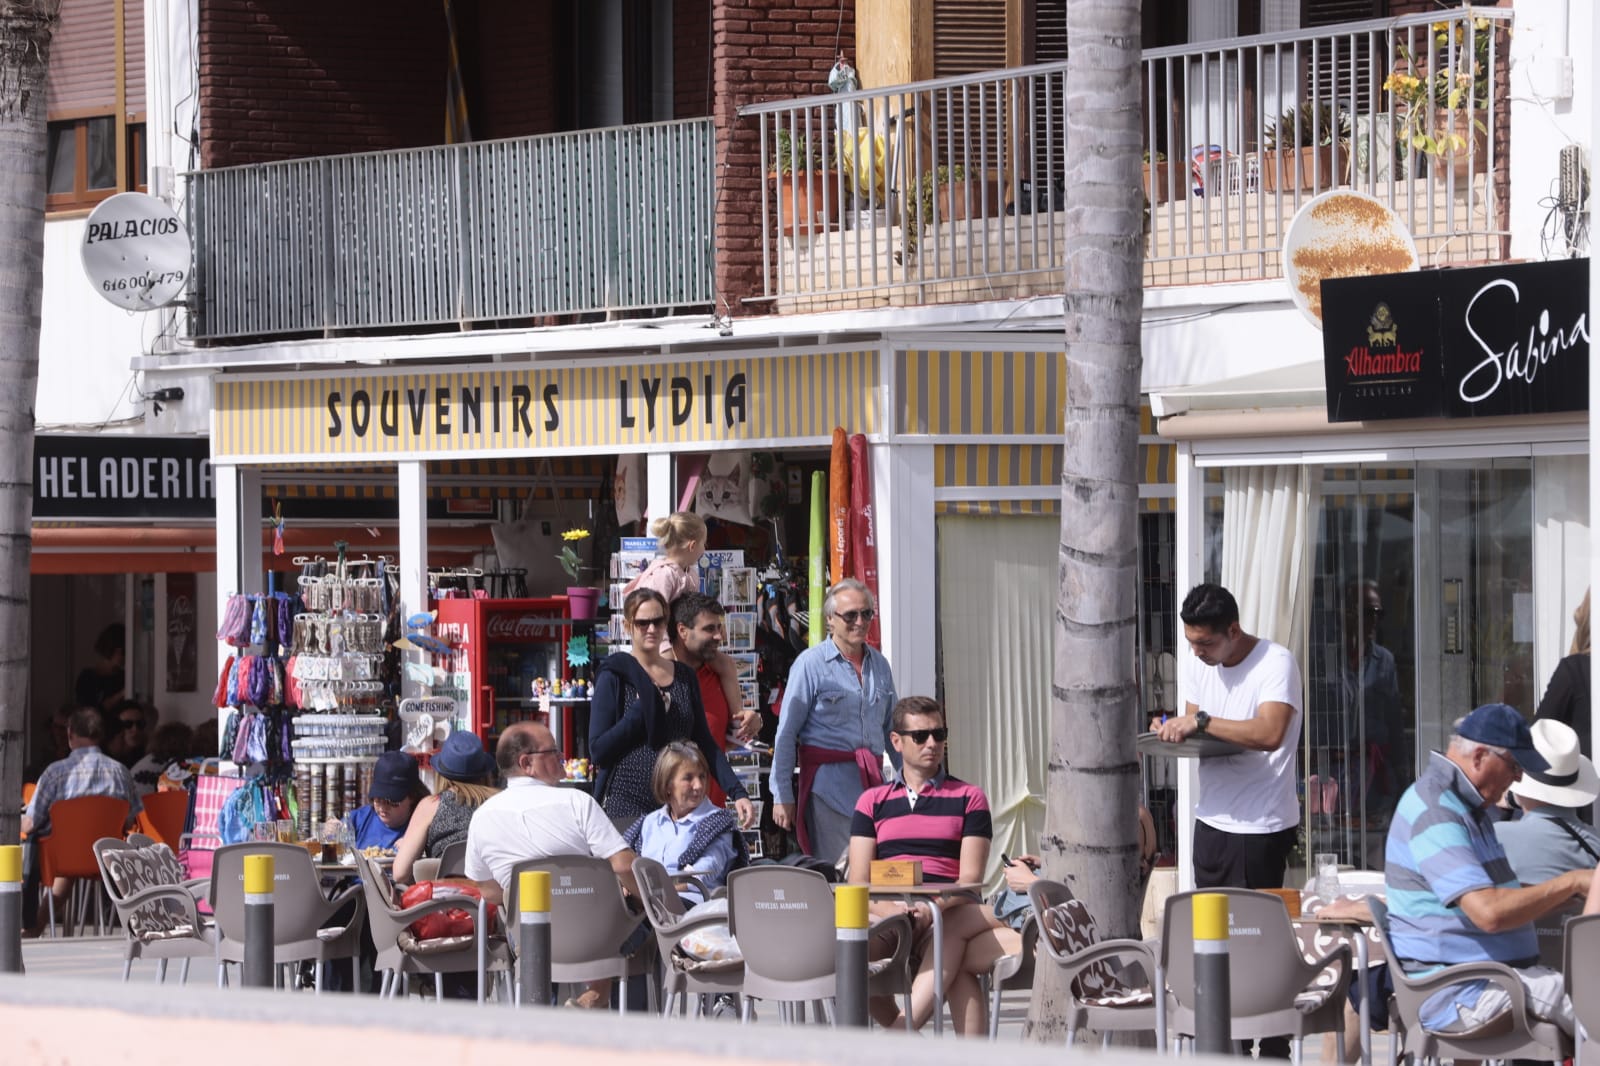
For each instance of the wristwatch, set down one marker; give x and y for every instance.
(1202, 721)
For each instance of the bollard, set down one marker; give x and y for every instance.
(533, 945)
(11, 908)
(850, 955)
(258, 922)
(1213, 1029)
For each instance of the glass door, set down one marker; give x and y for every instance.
(1361, 660)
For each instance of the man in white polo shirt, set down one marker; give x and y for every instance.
(1246, 690)
(535, 818)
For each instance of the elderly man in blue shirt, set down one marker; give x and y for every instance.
(834, 724)
(1452, 894)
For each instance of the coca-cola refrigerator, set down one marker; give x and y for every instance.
(501, 648)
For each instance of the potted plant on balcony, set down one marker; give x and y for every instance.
(581, 599)
(1305, 149)
(1156, 187)
(1439, 97)
(797, 165)
(959, 196)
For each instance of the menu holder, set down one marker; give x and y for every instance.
(1194, 746)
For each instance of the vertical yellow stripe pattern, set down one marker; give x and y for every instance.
(600, 408)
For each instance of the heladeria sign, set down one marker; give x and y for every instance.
(1500, 340)
(113, 478)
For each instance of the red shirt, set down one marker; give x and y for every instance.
(717, 717)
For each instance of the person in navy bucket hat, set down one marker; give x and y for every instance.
(462, 758)
(466, 778)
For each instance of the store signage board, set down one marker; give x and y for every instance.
(581, 408)
(1501, 340)
(115, 478)
(136, 251)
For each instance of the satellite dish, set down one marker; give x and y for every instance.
(1342, 234)
(136, 251)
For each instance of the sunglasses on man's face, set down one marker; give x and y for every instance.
(131, 723)
(920, 736)
(861, 617)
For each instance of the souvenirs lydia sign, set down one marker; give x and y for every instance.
(1501, 340)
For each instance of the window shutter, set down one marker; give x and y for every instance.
(1330, 79)
(968, 36)
(133, 55)
(1050, 31)
(83, 67)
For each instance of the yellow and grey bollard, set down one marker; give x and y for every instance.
(1213, 1027)
(11, 908)
(258, 922)
(533, 944)
(850, 955)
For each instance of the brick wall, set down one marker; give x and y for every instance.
(511, 52)
(762, 50)
(296, 78)
(691, 58)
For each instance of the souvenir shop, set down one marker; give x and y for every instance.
(952, 452)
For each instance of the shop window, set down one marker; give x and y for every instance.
(81, 162)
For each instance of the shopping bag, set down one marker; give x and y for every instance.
(457, 921)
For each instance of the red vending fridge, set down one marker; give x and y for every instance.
(502, 646)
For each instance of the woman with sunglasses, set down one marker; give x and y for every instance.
(642, 702)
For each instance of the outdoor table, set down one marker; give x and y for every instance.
(1358, 932)
(1195, 746)
(915, 895)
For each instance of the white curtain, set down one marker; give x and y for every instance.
(1264, 530)
(997, 588)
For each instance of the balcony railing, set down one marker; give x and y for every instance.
(952, 189)
(611, 220)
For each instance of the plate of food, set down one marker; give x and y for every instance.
(1342, 234)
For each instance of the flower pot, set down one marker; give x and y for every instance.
(1156, 185)
(1298, 169)
(1473, 155)
(801, 208)
(582, 601)
(967, 198)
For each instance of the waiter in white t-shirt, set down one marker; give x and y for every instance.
(1246, 690)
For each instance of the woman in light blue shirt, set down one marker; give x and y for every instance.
(688, 834)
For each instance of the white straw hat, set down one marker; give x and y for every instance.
(1571, 780)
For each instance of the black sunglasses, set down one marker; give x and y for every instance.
(850, 618)
(130, 723)
(920, 736)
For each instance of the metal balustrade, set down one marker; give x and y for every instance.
(952, 189)
(611, 220)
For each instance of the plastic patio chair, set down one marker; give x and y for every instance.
(1273, 990)
(1580, 969)
(156, 905)
(789, 951)
(301, 912)
(163, 815)
(68, 851)
(453, 860)
(1098, 998)
(685, 975)
(1511, 1034)
(400, 954)
(589, 923)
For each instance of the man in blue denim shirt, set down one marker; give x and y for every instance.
(835, 724)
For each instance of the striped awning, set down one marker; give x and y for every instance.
(567, 478)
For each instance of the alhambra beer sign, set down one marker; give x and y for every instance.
(1500, 340)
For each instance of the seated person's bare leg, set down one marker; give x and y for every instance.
(968, 1011)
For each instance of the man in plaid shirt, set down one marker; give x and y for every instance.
(86, 771)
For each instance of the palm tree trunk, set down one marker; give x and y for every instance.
(25, 30)
(1092, 788)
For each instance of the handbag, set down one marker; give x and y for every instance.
(456, 921)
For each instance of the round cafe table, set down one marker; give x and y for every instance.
(930, 895)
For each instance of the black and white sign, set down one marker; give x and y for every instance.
(136, 251)
(1500, 340)
(112, 478)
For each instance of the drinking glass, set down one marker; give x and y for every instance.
(1327, 867)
